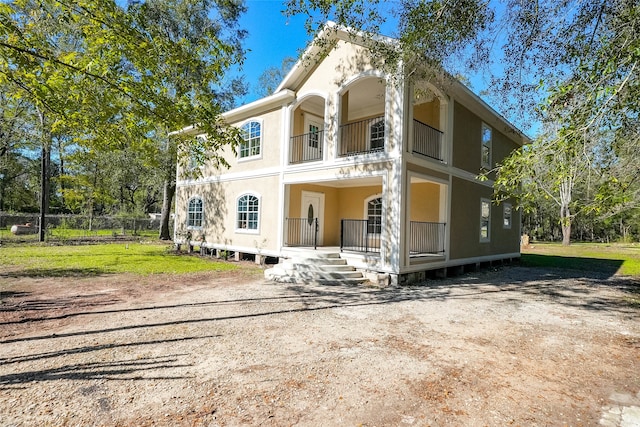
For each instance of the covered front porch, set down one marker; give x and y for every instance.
(352, 216)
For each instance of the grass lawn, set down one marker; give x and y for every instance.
(622, 259)
(136, 258)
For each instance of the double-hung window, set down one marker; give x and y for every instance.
(195, 213)
(377, 135)
(374, 216)
(248, 213)
(486, 136)
(252, 139)
(506, 216)
(485, 220)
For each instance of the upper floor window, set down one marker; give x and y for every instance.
(252, 135)
(485, 220)
(506, 215)
(247, 213)
(377, 135)
(195, 212)
(374, 216)
(486, 146)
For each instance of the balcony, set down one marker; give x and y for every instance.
(306, 148)
(427, 141)
(361, 137)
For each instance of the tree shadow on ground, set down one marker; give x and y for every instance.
(589, 290)
(520, 285)
(23, 302)
(132, 369)
(55, 272)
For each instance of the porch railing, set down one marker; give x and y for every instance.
(359, 235)
(426, 238)
(427, 140)
(306, 148)
(364, 136)
(301, 232)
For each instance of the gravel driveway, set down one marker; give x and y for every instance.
(513, 346)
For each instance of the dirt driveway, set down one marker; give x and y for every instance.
(515, 346)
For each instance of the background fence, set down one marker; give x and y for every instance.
(79, 227)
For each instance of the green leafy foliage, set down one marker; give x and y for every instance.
(106, 82)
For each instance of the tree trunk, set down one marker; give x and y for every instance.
(565, 222)
(169, 190)
(566, 189)
(44, 180)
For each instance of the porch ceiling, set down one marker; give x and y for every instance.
(314, 105)
(346, 182)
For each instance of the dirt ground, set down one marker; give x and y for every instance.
(512, 346)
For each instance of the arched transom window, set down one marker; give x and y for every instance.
(374, 216)
(252, 135)
(248, 209)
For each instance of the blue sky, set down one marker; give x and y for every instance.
(272, 37)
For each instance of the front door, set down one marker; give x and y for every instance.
(312, 208)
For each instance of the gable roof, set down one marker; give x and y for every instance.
(321, 44)
(330, 34)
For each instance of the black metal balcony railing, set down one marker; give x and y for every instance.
(301, 232)
(426, 238)
(364, 136)
(306, 148)
(359, 235)
(427, 140)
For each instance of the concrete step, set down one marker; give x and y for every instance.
(317, 261)
(309, 279)
(319, 268)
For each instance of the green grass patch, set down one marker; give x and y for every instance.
(87, 260)
(622, 259)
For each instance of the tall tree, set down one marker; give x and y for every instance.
(273, 76)
(115, 76)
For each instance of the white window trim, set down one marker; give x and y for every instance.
(504, 216)
(257, 156)
(490, 146)
(248, 230)
(366, 211)
(194, 227)
(488, 238)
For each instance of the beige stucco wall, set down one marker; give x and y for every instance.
(220, 206)
(343, 62)
(428, 113)
(269, 153)
(425, 202)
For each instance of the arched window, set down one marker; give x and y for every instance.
(194, 212)
(377, 135)
(252, 135)
(374, 216)
(247, 214)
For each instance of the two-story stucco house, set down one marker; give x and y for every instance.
(344, 160)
